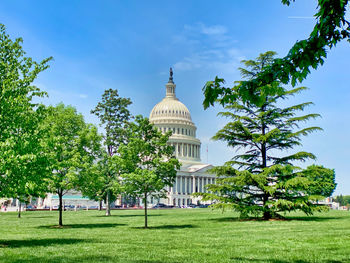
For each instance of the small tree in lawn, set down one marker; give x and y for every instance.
(260, 180)
(151, 161)
(114, 116)
(73, 145)
(94, 183)
(23, 163)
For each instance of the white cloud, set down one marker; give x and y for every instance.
(83, 96)
(206, 30)
(214, 30)
(211, 48)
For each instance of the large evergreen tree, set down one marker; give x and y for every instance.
(260, 179)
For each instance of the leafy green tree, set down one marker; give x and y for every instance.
(73, 146)
(94, 183)
(23, 164)
(151, 162)
(331, 27)
(260, 179)
(114, 116)
(343, 200)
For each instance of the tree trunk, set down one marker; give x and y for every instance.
(60, 195)
(19, 209)
(145, 204)
(108, 205)
(267, 215)
(100, 205)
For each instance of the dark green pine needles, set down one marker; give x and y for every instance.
(260, 180)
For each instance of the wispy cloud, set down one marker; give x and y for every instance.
(212, 48)
(83, 96)
(207, 30)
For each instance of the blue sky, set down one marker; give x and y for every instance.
(130, 45)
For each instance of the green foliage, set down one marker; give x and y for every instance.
(73, 146)
(331, 27)
(260, 179)
(22, 160)
(343, 200)
(114, 115)
(150, 160)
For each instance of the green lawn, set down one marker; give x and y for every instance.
(178, 235)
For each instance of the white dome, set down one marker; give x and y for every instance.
(170, 109)
(172, 115)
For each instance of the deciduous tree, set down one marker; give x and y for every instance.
(151, 162)
(331, 27)
(73, 146)
(23, 163)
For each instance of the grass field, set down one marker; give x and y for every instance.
(178, 235)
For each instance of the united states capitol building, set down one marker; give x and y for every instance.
(172, 115)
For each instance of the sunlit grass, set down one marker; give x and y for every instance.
(178, 235)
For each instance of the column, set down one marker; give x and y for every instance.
(180, 190)
(193, 184)
(175, 186)
(185, 192)
(190, 183)
(203, 184)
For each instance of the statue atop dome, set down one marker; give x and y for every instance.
(171, 76)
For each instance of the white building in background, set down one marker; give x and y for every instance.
(172, 115)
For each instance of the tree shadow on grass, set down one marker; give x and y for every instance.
(167, 227)
(25, 216)
(39, 242)
(243, 259)
(314, 218)
(137, 215)
(81, 226)
(285, 219)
